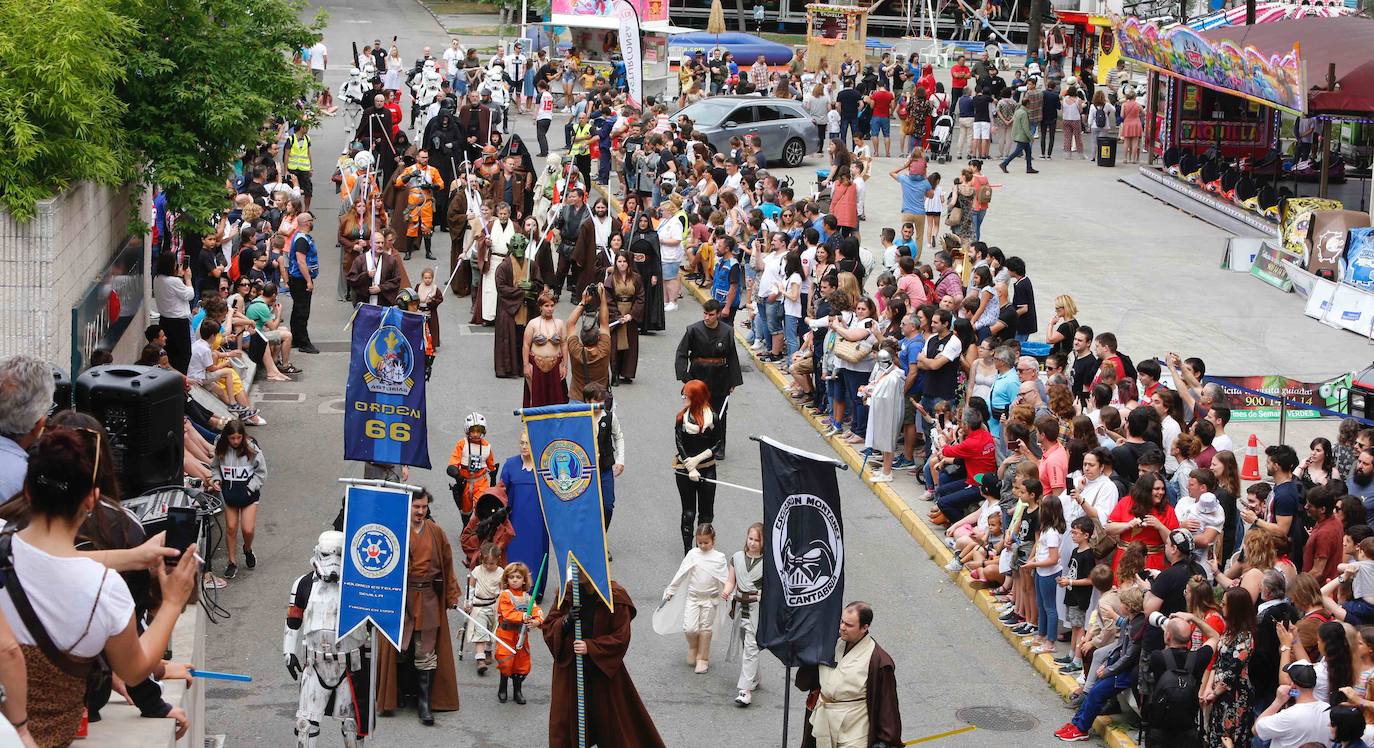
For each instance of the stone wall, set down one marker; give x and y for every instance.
(48, 263)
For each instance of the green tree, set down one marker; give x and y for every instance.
(60, 122)
(204, 80)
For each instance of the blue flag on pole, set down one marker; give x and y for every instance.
(384, 403)
(568, 479)
(375, 561)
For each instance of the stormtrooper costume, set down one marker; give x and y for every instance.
(351, 94)
(332, 672)
(427, 96)
(496, 86)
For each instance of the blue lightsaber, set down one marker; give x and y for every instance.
(212, 675)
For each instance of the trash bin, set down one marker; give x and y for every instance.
(1106, 150)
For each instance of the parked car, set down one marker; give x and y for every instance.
(782, 124)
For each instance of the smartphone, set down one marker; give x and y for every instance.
(183, 530)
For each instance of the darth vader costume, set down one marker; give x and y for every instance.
(443, 139)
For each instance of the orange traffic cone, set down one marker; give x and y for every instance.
(1249, 470)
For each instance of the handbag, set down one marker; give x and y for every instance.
(955, 217)
(852, 352)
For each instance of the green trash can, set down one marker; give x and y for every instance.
(1106, 150)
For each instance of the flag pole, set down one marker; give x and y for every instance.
(786, 701)
(577, 636)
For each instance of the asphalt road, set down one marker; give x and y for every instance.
(948, 656)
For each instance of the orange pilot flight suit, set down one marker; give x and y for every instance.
(510, 615)
(419, 201)
(475, 465)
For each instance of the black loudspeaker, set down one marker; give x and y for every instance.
(142, 408)
(62, 393)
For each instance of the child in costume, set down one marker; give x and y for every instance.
(704, 574)
(484, 586)
(744, 587)
(518, 614)
(472, 464)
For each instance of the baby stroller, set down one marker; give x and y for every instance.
(941, 138)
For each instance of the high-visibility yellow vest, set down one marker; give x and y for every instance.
(299, 160)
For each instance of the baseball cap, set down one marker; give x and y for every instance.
(1183, 540)
(1302, 674)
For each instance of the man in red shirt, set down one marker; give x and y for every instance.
(1323, 551)
(1104, 347)
(978, 453)
(958, 75)
(881, 124)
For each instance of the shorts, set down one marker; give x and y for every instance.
(241, 499)
(1074, 617)
(317, 74)
(671, 270)
(982, 130)
(307, 188)
(935, 213)
(271, 336)
(908, 411)
(775, 317)
(881, 126)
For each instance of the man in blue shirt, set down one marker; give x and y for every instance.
(1360, 482)
(303, 266)
(914, 191)
(908, 240)
(913, 342)
(727, 284)
(769, 207)
(1004, 388)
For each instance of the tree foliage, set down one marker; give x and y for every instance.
(165, 92)
(203, 82)
(60, 62)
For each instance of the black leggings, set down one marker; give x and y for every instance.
(698, 503)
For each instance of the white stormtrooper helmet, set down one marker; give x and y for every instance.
(354, 73)
(362, 160)
(368, 71)
(328, 558)
(431, 77)
(429, 66)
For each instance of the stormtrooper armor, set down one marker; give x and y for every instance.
(427, 95)
(332, 672)
(351, 94)
(495, 84)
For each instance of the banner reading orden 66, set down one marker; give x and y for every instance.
(384, 401)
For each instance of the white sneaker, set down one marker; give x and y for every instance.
(670, 307)
(744, 698)
(880, 478)
(255, 420)
(954, 565)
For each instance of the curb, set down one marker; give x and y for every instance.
(1116, 734)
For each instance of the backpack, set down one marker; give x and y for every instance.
(1173, 702)
(984, 196)
(1100, 117)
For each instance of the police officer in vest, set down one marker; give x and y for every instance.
(298, 160)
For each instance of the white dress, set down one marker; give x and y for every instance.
(695, 591)
(395, 67)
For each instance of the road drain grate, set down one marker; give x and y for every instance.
(997, 718)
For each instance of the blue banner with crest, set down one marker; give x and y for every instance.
(375, 561)
(568, 479)
(384, 402)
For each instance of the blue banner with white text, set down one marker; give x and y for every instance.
(375, 561)
(568, 479)
(384, 401)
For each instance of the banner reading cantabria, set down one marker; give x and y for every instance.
(384, 402)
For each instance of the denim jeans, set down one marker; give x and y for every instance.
(776, 319)
(1021, 148)
(858, 412)
(1022, 337)
(1046, 589)
(955, 498)
(789, 336)
(761, 332)
(949, 481)
(1102, 691)
(978, 216)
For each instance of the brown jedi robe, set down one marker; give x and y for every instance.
(510, 300)
(591, 262)
(884, 715)
(616, 716)
(625, 336)
(444, 693)
(475, 120)
(396, 201)
(359, 279)
(432, 309)
(457, 231)
(496, 194)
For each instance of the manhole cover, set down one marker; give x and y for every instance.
(997, 718)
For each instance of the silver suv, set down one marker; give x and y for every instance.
(785, 128)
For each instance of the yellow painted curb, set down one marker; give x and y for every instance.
(1116, 734)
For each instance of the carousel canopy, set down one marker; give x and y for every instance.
(1354, 94)
(1268, 13)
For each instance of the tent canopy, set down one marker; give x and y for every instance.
(1354, 94)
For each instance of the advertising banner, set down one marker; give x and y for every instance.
(1247, 406)
(631, 52)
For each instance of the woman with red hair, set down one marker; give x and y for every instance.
(697, 438)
